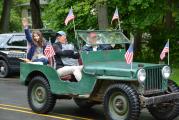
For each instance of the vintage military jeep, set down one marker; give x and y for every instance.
(108, 80)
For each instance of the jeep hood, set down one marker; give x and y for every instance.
(114, 68)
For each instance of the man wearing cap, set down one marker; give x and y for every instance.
(66, 58)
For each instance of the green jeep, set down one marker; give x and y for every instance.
(106, 79)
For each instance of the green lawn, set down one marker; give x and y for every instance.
(175, 75)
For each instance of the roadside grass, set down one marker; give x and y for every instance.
(175, 75)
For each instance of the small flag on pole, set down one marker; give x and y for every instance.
(116, 15)
(129, 54)
(164, 51)
(50, 53)
(69, 17)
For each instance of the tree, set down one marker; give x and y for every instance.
(84, 11)
(1, 2)
(5, 16)
(36, 14)
(102, 16)
(157, 19)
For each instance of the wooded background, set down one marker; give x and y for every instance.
(151, 21)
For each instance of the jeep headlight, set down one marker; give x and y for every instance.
(166, 71)
(141, 75)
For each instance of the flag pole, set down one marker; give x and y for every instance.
(168, 52)
(118, 19)
(132, 57)
(131, 65)
(49, 39)
(74, 27)
(52, 58)
(74, 24)
(119, 24)
(132, 39)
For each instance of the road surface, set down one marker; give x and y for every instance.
(14, 106)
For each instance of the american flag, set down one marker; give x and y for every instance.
(129, 54)
(49, 51)
(116, 15)
(164, 51)
(69, 17)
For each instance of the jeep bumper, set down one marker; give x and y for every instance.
(159, 99)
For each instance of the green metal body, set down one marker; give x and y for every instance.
(104, 65)
(58, 86)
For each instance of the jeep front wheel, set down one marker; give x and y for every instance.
(121, 102)
(40, 98)
(166, 111)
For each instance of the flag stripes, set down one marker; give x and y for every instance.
(164, 51)
(49, 51)
(116, 15)
(129, 55)
(69, 17)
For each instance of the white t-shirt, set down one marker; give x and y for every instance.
(38, 53)
(95, 48)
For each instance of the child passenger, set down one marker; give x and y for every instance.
(35, 53)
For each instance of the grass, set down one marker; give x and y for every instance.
(175, 75)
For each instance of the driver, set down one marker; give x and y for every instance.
(65, 57)
(93, 43)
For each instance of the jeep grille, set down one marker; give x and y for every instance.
(154, 82)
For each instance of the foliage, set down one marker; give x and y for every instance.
(157, 18)
(1, 6)
(15, 19)
(137, 16)
(175, 75)
(149, 16)
(56, 14)
(15, 15)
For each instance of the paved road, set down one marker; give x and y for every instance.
(14, 106)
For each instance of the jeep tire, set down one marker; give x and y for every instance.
(40, 98)
(166, 111)
(121, 102)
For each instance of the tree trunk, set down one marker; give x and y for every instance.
(102, 16)
(137, 43)
(5, 16)
(36, 15)
(169, 19)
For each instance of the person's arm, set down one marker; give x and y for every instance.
(25, 24)
(64, 53)
(76, 56)
(86, 48)
(28, 35)
(105, 47)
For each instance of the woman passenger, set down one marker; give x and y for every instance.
(35, 53)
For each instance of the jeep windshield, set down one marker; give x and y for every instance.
(102, 37)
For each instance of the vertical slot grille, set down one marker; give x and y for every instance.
(154, 81)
